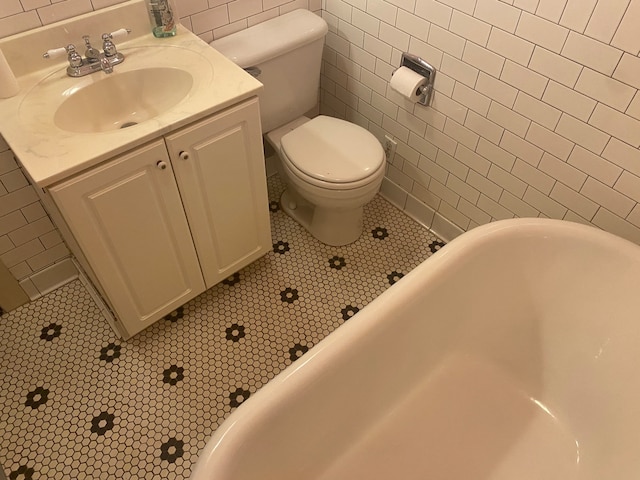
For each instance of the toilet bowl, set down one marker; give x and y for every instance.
(332, 168)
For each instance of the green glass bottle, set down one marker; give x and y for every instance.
(163, 17)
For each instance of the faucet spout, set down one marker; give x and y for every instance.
(105, 64)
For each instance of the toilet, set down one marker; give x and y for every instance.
(331, 167)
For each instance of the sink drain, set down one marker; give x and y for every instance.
(128, 124)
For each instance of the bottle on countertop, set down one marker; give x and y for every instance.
(163, 17)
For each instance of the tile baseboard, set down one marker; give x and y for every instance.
(50, 278)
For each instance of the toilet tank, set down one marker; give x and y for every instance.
(287, 50)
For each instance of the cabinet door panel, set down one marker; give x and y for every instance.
(128, 219)
(223, 187)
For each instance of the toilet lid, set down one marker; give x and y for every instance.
(333, 150)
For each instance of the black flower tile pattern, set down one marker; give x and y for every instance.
(337, 263)
(297, 351)
(232, 280)
(23, 472)
(173, 375)
(380, 233)
(102, 423)
(348, 312)
(281, 247)
(235, 332)
(394, 276)
(229, 342)
(171, 450)
(37, 397)
(238, 396)
(50, 332)
(176, 315)
(274, 205)
(436, 245)
(289, 295)
(110, 352)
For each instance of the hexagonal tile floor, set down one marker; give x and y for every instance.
(78, 402)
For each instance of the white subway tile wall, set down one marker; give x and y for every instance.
(207, 18)
(29, 241)
(536, 110)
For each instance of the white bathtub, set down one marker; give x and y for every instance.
(512, 353)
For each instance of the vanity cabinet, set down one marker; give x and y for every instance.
(160, 224)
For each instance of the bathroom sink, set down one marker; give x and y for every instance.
(121, 100)
(148, 85)
(59, 125)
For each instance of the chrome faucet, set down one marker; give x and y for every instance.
(94, 60)
(93, 55)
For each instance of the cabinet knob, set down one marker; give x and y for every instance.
(161, 165)
(184, 155)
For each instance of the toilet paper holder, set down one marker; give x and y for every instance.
(423, 68)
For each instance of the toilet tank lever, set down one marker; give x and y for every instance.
(253, 71)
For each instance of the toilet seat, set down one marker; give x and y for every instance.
(303, 177)
(332, 153)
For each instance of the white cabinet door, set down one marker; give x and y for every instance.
(219, 165)
(128, 219)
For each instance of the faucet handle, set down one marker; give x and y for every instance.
(75, 59)
(54, 53)
(108, 47)
(121, 32)
(58, 52)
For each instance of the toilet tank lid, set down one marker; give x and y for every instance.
(272, 37)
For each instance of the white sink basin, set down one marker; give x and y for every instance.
(122, 100)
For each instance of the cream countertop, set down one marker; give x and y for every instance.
(50, 154)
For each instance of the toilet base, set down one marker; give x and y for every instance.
(335, 227)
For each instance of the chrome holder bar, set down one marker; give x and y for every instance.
(423, 68)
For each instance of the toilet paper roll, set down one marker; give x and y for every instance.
(407, 83)
(8, 83)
